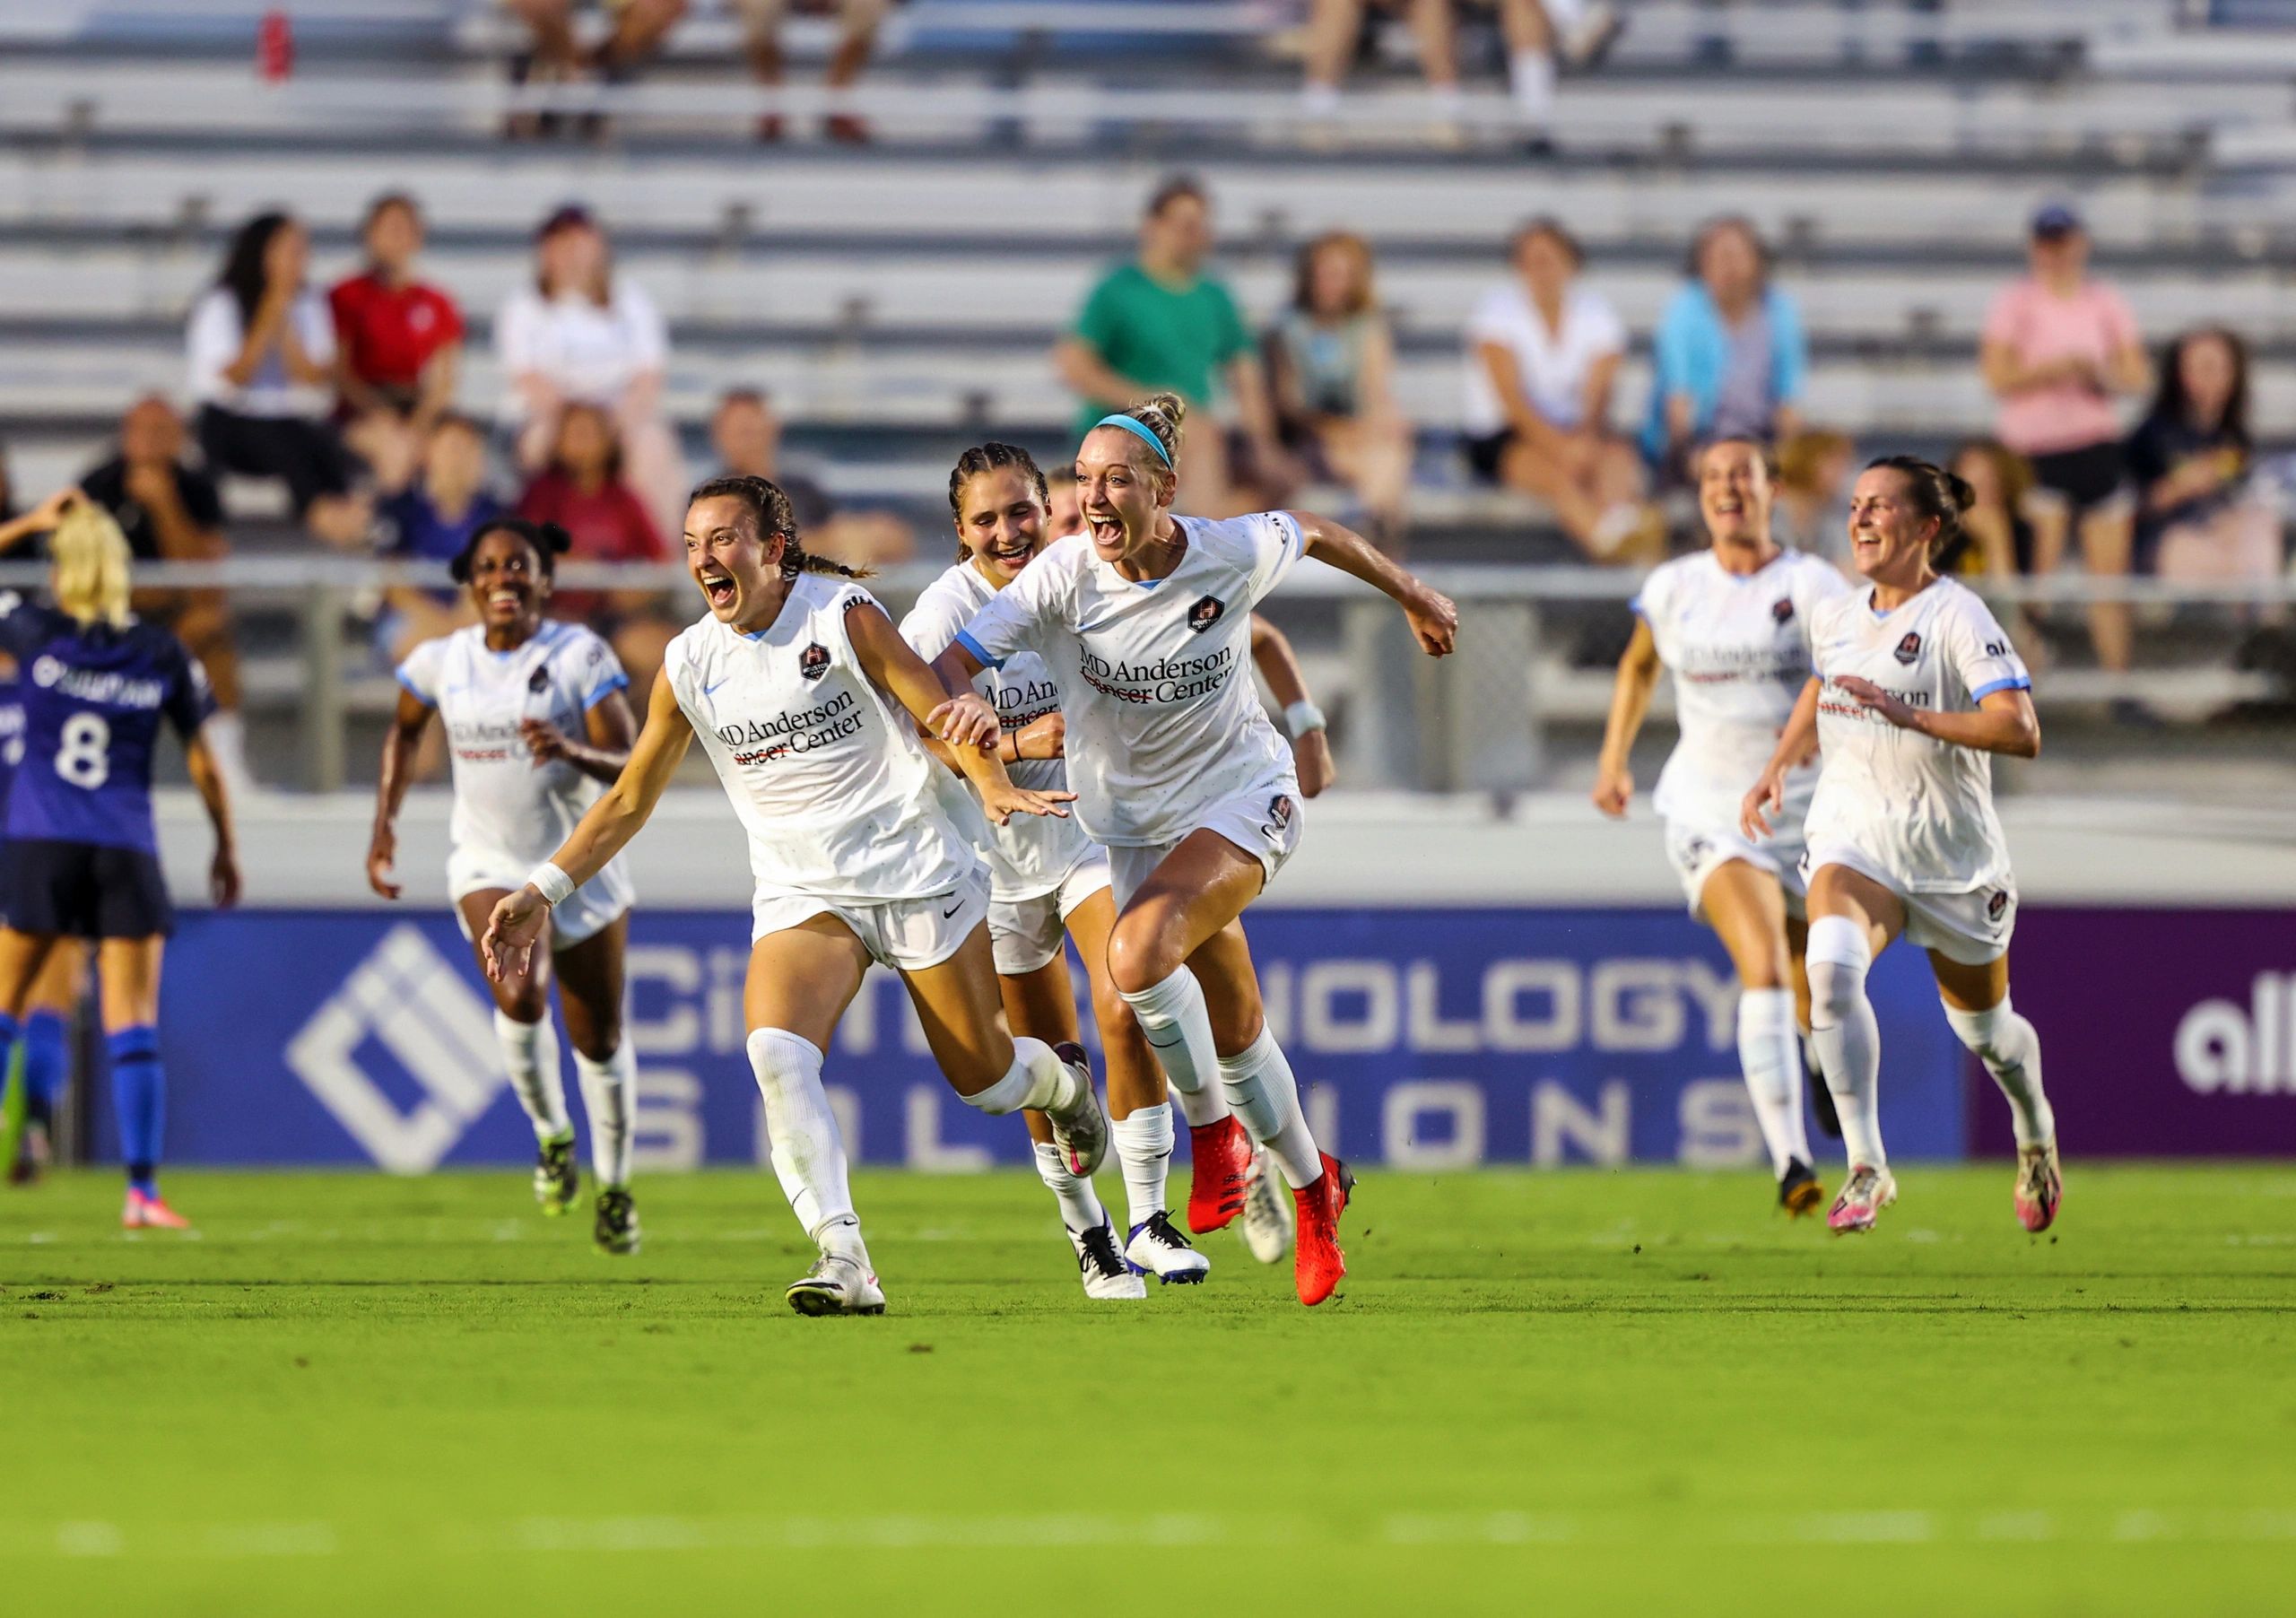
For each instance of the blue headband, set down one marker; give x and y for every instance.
(1140, 432)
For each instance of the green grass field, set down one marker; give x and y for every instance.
(1563, 1392)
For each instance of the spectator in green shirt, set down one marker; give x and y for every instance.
(1161, 323)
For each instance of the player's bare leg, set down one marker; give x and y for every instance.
(1852, 919)
(1042, 1005)
(1746, 909)
(47, 1031)
(529, 1050)
(590, 985)
(1976, 1005)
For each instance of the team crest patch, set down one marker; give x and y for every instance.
(539, 680)
(1278, 809)
(1205, 612)
(1907, 649)
(1997, 904)
(813, 663)
(1782, 609)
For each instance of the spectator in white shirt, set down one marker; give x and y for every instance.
(1543, 356)
(261, 352)
(582, 334)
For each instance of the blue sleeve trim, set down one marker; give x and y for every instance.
(1636, 607)
(407, 686)
(2015, 682)
(619, 683)
(965, 639)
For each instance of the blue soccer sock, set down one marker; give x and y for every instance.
(47, 1059)
(10, 1032)
(140, 1096)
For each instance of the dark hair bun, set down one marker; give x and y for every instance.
(1964, 494)
(557, 542)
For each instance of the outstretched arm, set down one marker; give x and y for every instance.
(602, 833)
(1769, 795)
(1638, 677)
(895, 668)
(407, 722)
(1433, 619)
(1303, 721)
(208, 780)
(2003, 721)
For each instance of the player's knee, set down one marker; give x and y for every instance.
(1838, 956)
(1140, 954)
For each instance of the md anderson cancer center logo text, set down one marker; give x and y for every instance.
(1161, 679)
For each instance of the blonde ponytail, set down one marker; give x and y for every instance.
(91, 561)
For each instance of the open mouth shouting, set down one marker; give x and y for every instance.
(1107, 532)
(718, 586)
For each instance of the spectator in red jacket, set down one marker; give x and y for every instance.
(398, 344)
(582, 492)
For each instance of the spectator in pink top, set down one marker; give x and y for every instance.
(2058, 348)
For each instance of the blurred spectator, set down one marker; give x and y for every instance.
(558, 55)
(398, 344)
(261, 347)
(1538, 34)
(582, 334)
(1063, 501)
(431, 519)
(1811, 509)
(1542, 355)
(746, 434)
(1996, 537)
(7, 489)
(1161, 322)
(1331, 363)
(1728, 359)
(2058, 346)
(857, 36)
(582, 492)
(169, 511)
(2198, 515)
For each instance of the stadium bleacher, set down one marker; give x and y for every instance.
(902, 302)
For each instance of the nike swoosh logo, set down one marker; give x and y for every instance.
(952, 909)
(711, 690)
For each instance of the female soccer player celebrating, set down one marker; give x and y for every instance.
(1730, 623)
(1914, 686)
(81, 857)
(1145, 621)
(538, 725)
(807, 703)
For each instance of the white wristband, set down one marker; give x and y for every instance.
(1302, 717)
(553, 883)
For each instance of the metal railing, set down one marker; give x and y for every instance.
(1479, 720)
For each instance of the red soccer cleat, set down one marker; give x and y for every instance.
(1223, 1162)
(1317, 1265)
(142, 1213)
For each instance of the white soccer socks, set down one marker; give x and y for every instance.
(1172, 1015)
(2011, 1053)
(808, 1153)
(1769, 1051)
(610, 1096)
(1038, 1079)
(1848, 1038)
(1144, 1148)
(1080, 1203)
(1264, 1094)
(530, 1055)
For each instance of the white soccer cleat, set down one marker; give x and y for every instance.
(1268, 1215)
(1104, 1271)
(2040, 1187)
(1082, 1133)
(1864, 1196)
(837, 1285)
(1157, 1249)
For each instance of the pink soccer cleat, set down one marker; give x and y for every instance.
(1223, 1154)
(1318, 1264)
(1864, 1196)
(142, 1213)
(2040, 1187)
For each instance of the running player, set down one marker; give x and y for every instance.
(538, 727)
(1916, 686)
(806, 701)
(1046, 879)
(1145, 621)
(1730, 623)
(82, 858)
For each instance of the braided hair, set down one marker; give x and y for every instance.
(1933, 492)
(774, 515)
(989, 457)
(548, 540)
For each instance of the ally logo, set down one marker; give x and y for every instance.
(407, 998)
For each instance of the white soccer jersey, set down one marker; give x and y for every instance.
(1163, 720)
(1738, 647)
(825, 772)
(1029, 854)
(1920, 809)
(509, 810)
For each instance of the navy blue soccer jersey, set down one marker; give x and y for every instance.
(93, 697)
(12, 739)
